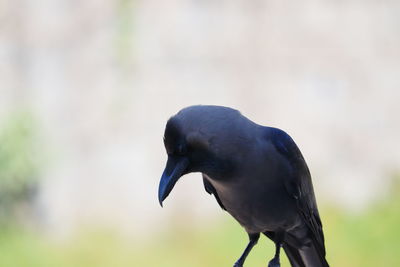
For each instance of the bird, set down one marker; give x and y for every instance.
(256, 173)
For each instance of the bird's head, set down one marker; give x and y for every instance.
(192, 140)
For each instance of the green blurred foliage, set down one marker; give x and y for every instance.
(367, 239)
(18, 163)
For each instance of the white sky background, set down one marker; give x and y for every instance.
(102, 77)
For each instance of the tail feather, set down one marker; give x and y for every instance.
(293, 256)
(305, 257)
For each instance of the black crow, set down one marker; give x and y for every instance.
(256, 173)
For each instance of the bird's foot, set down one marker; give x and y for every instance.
(274, 263)
(238, 264)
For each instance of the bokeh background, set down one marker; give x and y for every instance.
(87, 86)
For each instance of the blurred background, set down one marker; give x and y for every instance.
(86, 88)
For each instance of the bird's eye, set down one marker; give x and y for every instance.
(181, 150)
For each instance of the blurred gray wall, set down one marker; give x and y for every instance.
(102, 77)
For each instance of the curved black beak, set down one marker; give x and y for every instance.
(176, 167)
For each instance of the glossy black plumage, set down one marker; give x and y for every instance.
(256, 173)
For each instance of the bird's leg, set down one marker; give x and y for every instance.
(275, 261)
(277, 237)
(253, 241)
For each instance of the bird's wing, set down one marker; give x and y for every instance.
(299, 184)
(211, 190)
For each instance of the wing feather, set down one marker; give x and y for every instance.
(299, 185)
